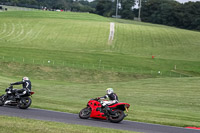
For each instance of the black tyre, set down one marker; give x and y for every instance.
(85, 113)
(119, 116)
(24, 102)
(1, 100)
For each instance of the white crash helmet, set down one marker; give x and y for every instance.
(25, 78)
(109, 90)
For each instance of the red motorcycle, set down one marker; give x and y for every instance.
(94, 109)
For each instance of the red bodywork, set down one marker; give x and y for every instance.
(97, 114)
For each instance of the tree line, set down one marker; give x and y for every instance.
(166, 12)
(172, 13)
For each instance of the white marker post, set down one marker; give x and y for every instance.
(112, 31)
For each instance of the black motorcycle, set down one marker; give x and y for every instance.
(10, 98)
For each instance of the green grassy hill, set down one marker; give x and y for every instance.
(81, 39)
(67, 53)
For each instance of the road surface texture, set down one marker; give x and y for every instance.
(56, 116)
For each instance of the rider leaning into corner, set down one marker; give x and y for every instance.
(113, 98)
(26, 84)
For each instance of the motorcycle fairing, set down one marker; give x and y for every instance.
(95, 106)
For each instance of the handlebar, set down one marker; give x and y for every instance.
(10, 87)
(96, 99)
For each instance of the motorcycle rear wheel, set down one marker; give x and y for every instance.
(119, 116)
(85, 113)
(24, 102)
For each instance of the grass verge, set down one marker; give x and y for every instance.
(19, 125)
(168, 101)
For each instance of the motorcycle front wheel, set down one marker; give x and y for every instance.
(24, 102)
(1, 100)
(119, 116)
(85, 113)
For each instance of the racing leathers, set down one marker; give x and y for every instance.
(26, 84)
(113, 98)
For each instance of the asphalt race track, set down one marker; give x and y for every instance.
(47, 115)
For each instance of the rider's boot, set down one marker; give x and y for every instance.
(109, 110)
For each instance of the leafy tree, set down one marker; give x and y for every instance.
(104, 8)
(191, 17)
(126, 10)
(170, 12)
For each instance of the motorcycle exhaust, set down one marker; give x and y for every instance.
(7, 102)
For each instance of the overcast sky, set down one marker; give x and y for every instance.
(182, 1)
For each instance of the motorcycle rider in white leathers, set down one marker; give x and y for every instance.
(113, 98)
